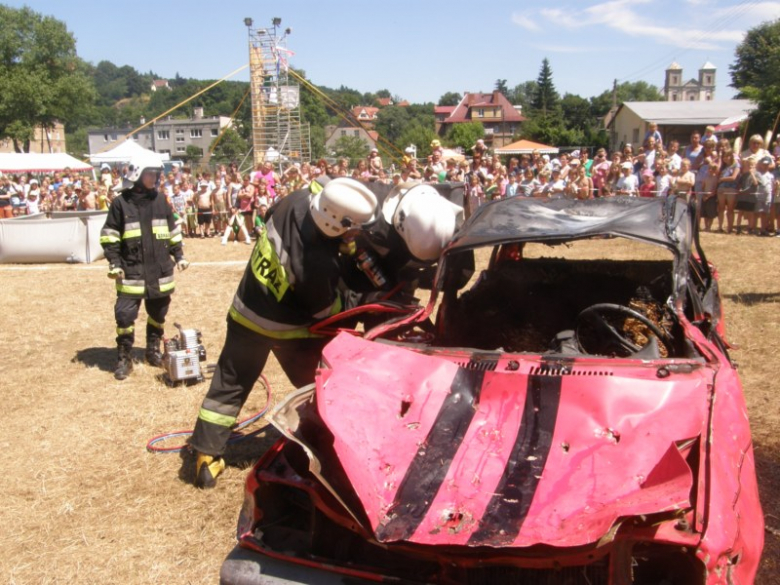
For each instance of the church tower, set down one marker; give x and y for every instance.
(707, 82)
(673, 83)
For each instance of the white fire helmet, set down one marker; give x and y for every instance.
(343, 204)
(426, 221)
(138, 165)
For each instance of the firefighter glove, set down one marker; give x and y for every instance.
(182, 264)
(116, 273)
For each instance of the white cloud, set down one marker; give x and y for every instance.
(622, 16)
(564, 49)
(524, 21)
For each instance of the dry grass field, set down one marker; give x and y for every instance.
(82, 500)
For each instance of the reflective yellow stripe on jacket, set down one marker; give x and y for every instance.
(109, 236)
(242, 315)
(132, 230)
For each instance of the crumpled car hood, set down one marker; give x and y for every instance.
(527, 453)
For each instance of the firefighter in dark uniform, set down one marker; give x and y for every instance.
(142, 242)
(290, 283)
(398, 252)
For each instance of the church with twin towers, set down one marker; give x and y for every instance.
(701, 89)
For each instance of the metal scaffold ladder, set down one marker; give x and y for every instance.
(277, 132)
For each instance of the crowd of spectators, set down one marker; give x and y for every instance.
(738, 189)
(25, 194)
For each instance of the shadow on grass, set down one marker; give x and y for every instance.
(750, 299)
(241, 454)
(97, 357)
(103, 358)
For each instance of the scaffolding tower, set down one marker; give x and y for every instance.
(278, 135)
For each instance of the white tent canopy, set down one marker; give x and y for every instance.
(127, 151)
(32, 162)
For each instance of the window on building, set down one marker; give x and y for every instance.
(196, 133)
(180, 139)
(356, 133)
(163, 135)
(675, 80)
(635, 136)
(343, 132)
(215, 131)
(180, 131)
(165, 151)
(181, 149)
(708, 79)
(480, 113)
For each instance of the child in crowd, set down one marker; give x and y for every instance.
(663, 182)
(511, 187)
(627, 184)
(236, 226)
(529, 184)
(709, 196)
(647, 188)
(652, 132)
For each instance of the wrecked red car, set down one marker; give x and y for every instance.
(572, 421)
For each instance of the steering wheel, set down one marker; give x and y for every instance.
(596, 317)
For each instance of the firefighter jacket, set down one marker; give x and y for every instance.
(141, 237)
(292, 278)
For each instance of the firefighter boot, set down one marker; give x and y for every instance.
(207, 469)
(153, 337)
(124, 362)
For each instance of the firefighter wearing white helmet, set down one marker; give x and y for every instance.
(396, 254)
(341, 205)
(426, 222)
(290, 283)
(142, 243)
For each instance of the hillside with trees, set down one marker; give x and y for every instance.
(45, 81)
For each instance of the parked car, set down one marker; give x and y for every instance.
(572, 421)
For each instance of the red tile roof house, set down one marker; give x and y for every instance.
(499, 117)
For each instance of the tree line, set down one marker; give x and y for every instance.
(45, 81)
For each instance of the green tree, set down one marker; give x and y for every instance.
(352, 147)
(77, 143)
(545, 100)
(420, 135)
(391, 122)
(628, 91)
(577, 112)
(43, 79)
(501, 87)
(465, 135)
(451, 98)
(756, 73)
(230, 148)
(523, 95)
(193, 154)
(317, 137)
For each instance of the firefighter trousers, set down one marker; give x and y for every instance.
(240, 364)
(126, 312)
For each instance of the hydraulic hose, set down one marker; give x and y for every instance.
(235, 437)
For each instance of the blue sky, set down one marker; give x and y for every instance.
(421, 49)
